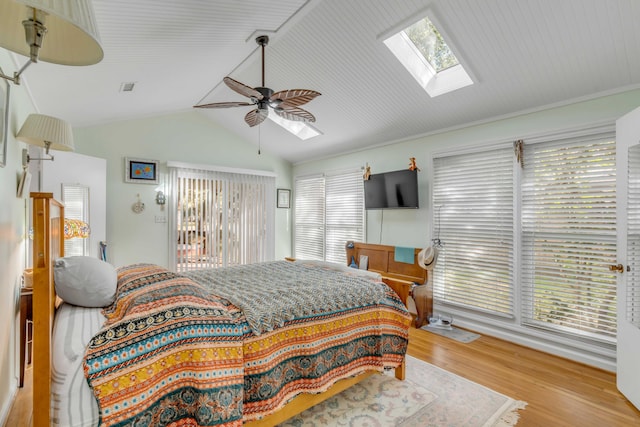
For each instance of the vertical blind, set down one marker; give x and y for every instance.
(329, 210)
(473, 218)
(569, 236)
(220, 218)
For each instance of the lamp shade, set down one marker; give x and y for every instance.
(46, 131)
(71, 36)
(76, 228)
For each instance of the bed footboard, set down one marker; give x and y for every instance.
(48, 244)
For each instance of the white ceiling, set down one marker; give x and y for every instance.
(522, 55)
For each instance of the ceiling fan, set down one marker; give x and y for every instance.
(285, 103)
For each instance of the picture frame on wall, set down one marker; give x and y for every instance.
(140, 171)
(4, 119)
(284, 198)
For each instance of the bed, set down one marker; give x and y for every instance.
(244, 369)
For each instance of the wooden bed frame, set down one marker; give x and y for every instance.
(48, 244)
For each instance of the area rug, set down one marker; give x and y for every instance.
(430, 396)
(453, 333)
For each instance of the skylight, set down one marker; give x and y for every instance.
(423, 51)
(302, 130)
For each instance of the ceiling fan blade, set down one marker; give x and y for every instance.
(255, 117)
(294, 97)
(224, 105)
(294, 113)
(242, 88)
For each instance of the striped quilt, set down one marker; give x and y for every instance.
(173, 352)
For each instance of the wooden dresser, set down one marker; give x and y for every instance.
(400, 276)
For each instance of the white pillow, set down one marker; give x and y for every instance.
(85, 281)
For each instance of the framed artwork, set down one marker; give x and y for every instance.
(284, 198)
(140, 171)
(4, 119)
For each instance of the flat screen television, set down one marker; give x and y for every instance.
(392, 190)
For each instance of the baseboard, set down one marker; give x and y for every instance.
(579, 352)
(6, 405)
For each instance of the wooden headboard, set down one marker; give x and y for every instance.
(48, 244)
(382, 260)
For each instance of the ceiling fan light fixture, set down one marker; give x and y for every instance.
(286, 103)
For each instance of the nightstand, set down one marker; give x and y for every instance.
(26, 330)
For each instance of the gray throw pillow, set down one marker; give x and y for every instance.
(85, 281)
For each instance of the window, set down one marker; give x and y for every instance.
(427, 39)
(76, 206)
(220, 218)
(329, 211)
(569, 236)
(302, 130)
(309, 218)
(542, 234)
(422, 50)
(473, 209)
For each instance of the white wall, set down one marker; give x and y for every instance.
(186, 137)
(12, 241)
(73, 168)
(413, 228)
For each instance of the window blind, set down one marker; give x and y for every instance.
(569, 236)
(344, 206)
(76, 206)
(309, 218)
(220, 218)
(329, 210)
(473, 218)
(633, 237)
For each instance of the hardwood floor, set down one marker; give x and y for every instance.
(20, 414)
(559, 392)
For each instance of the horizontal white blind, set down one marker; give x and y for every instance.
(473, 217)
(76, 206)
(309, 218)
(633, 237)
(569, 236)
(344, 207)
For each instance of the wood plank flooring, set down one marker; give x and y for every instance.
(559, 392)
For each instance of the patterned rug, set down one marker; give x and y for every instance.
(430, 396)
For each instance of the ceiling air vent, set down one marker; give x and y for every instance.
(127, 87)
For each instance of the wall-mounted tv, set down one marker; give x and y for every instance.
(392, 190)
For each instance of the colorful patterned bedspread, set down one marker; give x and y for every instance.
(174, 353)
(302, 290)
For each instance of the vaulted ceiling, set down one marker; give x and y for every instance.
(522, 55)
